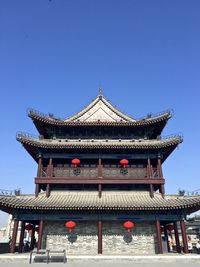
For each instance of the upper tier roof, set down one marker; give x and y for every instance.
(97, 143)
(99, 112)
(33, 145)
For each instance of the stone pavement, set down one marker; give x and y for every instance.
(174, 260)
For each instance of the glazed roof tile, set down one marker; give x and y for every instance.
(110, 200)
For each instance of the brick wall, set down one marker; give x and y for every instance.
(140, 241)
(116, 240)
(82, 240)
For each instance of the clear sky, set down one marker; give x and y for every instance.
(54, 54)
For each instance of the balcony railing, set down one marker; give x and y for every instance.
(125, 172)
(100, 171)
(75, 172)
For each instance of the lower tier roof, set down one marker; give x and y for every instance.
(110, 200)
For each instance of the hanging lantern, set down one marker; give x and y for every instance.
(124, 162)
(29, 227)
(75, 162)
(128, 225)
(169, 227)
(70, 225)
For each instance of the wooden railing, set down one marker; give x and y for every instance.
(124, 172)
(100, 175)
(100, 171)
(75, 172)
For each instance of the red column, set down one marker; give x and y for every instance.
(99, 237)
(167, 239)
(37, 190)
(159, 168)
(100, 169)
(50, 168)
(159, 240)
(32, 237)
(39, 172)
(48, 190)
(151, 191)
(14, 236)
(162, 190)
(100, 190)
(21, 241)
(39, 246)
(178, 247)
(149, 168)
(100, 176)
(184, 237)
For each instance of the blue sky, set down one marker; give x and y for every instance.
(55, 54)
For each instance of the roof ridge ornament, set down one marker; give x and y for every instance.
(100, 92)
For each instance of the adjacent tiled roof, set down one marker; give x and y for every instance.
(99, 144)
(87, 200)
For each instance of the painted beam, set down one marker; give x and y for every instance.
(110, 180)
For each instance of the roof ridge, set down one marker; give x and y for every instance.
(94, 102)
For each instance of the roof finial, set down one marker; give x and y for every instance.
(100, 91)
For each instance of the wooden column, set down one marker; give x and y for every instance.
(100, 169)
(37, 190)
(100, 176)
(167, 239)
(178, 247)
(14, 236)
(159, 240)
(39, 245)
(159, 168)
(162, 190)
(151, 191)
(149, 168)
(21, 240)
(50, 168)
(32, 237)
(184, 237)
(48, 190)
(100, 190)
(99, 236)
(39, 172)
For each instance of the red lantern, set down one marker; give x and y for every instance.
(169, 227)
(75, 162)
(128, 225)
(124, 162)
(29, 227)
(70, 225)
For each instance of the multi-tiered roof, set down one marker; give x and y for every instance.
(100, 130)
(99, 126)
